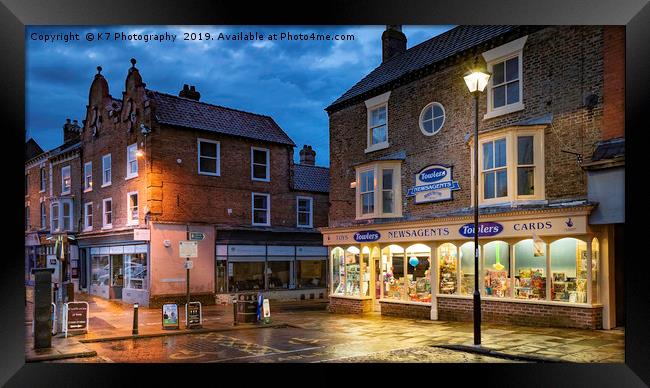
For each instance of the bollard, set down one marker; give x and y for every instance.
(234, 312)
(135, 319)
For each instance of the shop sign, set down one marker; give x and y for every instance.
(485, 229)
(193, 315)
(433, 184)
(367, 236)
(76, 317)
(142, 234)
(170, 316)
(188, 249)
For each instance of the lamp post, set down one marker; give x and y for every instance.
(476, 81)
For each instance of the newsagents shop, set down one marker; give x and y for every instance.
(539, 266)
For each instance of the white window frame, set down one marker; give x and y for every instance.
(43, 211)
(130, 175)
(433, 119)
(268, 164)
(129, 219)
(42, 178)
(501, 54)
(373, 104)
(106, 225)
(63, 170)
(198, 157)
(311, 212)
(57, 218)
(268, 209)
(109, 169)
(511, 135)
(88, 226)
(87, 175)
(63, 216)
(377, 168)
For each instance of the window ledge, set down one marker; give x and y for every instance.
(260, 180)
(304, 226)
(209, 173)
(87, 229)
(377, 147)
(504, 110)
(106, 184)
(261, 224)
(350, 297)
(130, 177)
(107, 227)
(398, 301)
(88, 190)
(530, 301)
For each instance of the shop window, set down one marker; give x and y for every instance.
(569, 270)
(66, 181)
(99, 270)
(352, 272)
(394, 279)
(135, 271)
(279, 274)
(209, 157)
(311, 273)
(338, 271)
(246, 276)
(261, 209)
(530, 270)
(595, 266)
(496, 269)
(447, 264)
(364, 271)
(417, 273)
(467, 268)
(260, 164)
(88, 176)
(379, 190)
(106, 170)
(131, 161)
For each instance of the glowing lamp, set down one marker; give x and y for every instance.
(476, 80)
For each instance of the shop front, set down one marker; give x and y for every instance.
(541, 267)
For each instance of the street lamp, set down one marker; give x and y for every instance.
(476, 81)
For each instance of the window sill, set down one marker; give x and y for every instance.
(260, 180)
(261, 224)
(399, 301)
(304, 226)
(504, 110)
(106, 184)
(530, 301)
(131, 223)
(209, 173)
(343, 296)
(87, 230)
(88, 190)
(377, 147)
(107, 227)
(130, 177)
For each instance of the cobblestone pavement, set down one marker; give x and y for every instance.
(319, 336)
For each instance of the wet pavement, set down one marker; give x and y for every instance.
(314, 335)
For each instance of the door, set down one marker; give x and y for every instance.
(377, 284)
(117, 276)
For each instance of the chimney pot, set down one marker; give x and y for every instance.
(189, 92)
(307, 155)
(393, 42)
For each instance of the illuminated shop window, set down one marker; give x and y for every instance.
(418, 266)
(530, 270)
(496, 269)
(447, 264)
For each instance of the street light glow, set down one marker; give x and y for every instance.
(476, 80)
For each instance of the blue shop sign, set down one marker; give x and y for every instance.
(433, 184)
(485, 229)
(367, 236)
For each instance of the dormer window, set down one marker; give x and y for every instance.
(377, 108)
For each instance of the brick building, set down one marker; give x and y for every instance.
(401, 233)
(154, 169)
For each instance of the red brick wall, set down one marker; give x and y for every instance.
(405, 310)
(561, 64)
(614, 83)
(524, 314)
(349, 306)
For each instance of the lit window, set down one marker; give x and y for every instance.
(88, 176)
(107, 205)
(106, 170)
(379, 190)
(261, 209)
(260, 164)
(505, 87)
(66, 181)
(208, 157)
(131, 161)
(43, 216)
(304, 211)
(432, 118)
(132, 206)
(377, 112)
(88, 216)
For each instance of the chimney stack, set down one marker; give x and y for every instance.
(71, 130)
(189, 92)
(307, 156)
(393, 42)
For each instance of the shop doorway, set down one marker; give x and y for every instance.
(117, 276)
(377, 288)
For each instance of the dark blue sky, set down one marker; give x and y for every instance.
(291, 81)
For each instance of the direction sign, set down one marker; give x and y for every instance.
(188, 249)
(188, 264)
(197, 236)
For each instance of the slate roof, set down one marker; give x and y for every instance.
(422, 55)
(32, 149)
(609, 149)
(311, 178)
(184, 112)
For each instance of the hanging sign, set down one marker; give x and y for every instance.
(75, 315)
(433, 184)
(170, 316)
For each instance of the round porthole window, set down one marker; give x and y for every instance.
(432, 118)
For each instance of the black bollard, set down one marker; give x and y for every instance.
(234, 312)
(135, 319)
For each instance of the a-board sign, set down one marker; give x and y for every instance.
(170, 316)
(193, 315)
(188, 249)
(266, 309)
(76, 317)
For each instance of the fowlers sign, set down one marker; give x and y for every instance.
(552, 226)
(433, 184)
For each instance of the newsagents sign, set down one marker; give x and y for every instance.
(433, 184)
(553, 226)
